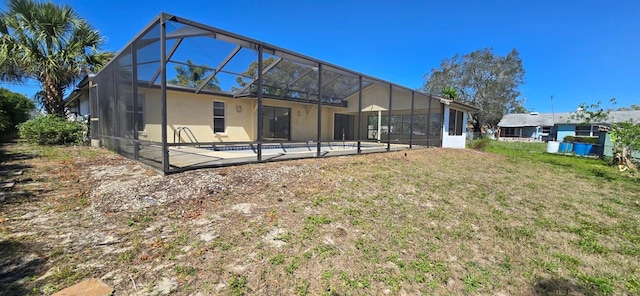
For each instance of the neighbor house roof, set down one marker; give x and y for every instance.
(613, 117)
(526, 119)
(549, 119)
(78, 91)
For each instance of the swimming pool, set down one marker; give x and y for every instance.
(279, 148)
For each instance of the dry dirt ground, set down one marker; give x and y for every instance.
(400, 223)
(87, 212)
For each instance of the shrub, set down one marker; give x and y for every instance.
(576, 139)
(51, 130)
(14, 109)
(480, 144)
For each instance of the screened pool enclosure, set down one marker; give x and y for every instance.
(184, 95)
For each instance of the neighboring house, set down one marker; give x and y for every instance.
(77, 103)
(185, 95)
(547, 126)
(532, 126)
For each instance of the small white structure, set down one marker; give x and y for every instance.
(454, 131)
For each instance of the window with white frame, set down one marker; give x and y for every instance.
(455, 122)
(219, 122)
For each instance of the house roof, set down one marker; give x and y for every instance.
(526, 119)
(613, 117)
(79, 90)
(549, 119)
(457, 104)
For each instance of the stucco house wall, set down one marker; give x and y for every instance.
(195, 112)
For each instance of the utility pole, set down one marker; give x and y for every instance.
(553, 118)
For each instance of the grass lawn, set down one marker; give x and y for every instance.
(512, 220)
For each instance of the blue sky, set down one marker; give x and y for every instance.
(577, 51)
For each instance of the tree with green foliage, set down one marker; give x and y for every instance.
(592, 113)
(48, 43)
(294, 80)
(15, 108)
(194, 75)
(249, 75)
(626, 139)
(272, 79)
(483, 79)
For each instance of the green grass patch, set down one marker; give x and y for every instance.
(183, 271)
(293, 265)
(596, 169)
(238, 285)
(277, 259)
(603, 285)
(311, 222)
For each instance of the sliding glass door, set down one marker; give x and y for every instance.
(276, 123)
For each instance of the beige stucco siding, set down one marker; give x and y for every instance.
(376, 98)
(152, 115)
(195, 111)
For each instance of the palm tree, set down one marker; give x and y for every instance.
(48, 43)
(450, 92)
(194, 75)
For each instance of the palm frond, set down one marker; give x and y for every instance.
(50, 43)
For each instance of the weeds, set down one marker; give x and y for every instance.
(277, 259)
(238, 285)
(471, 283)
(184, 271)
(311, 222)
(303, 288)
(293, 265)
(325, 251)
